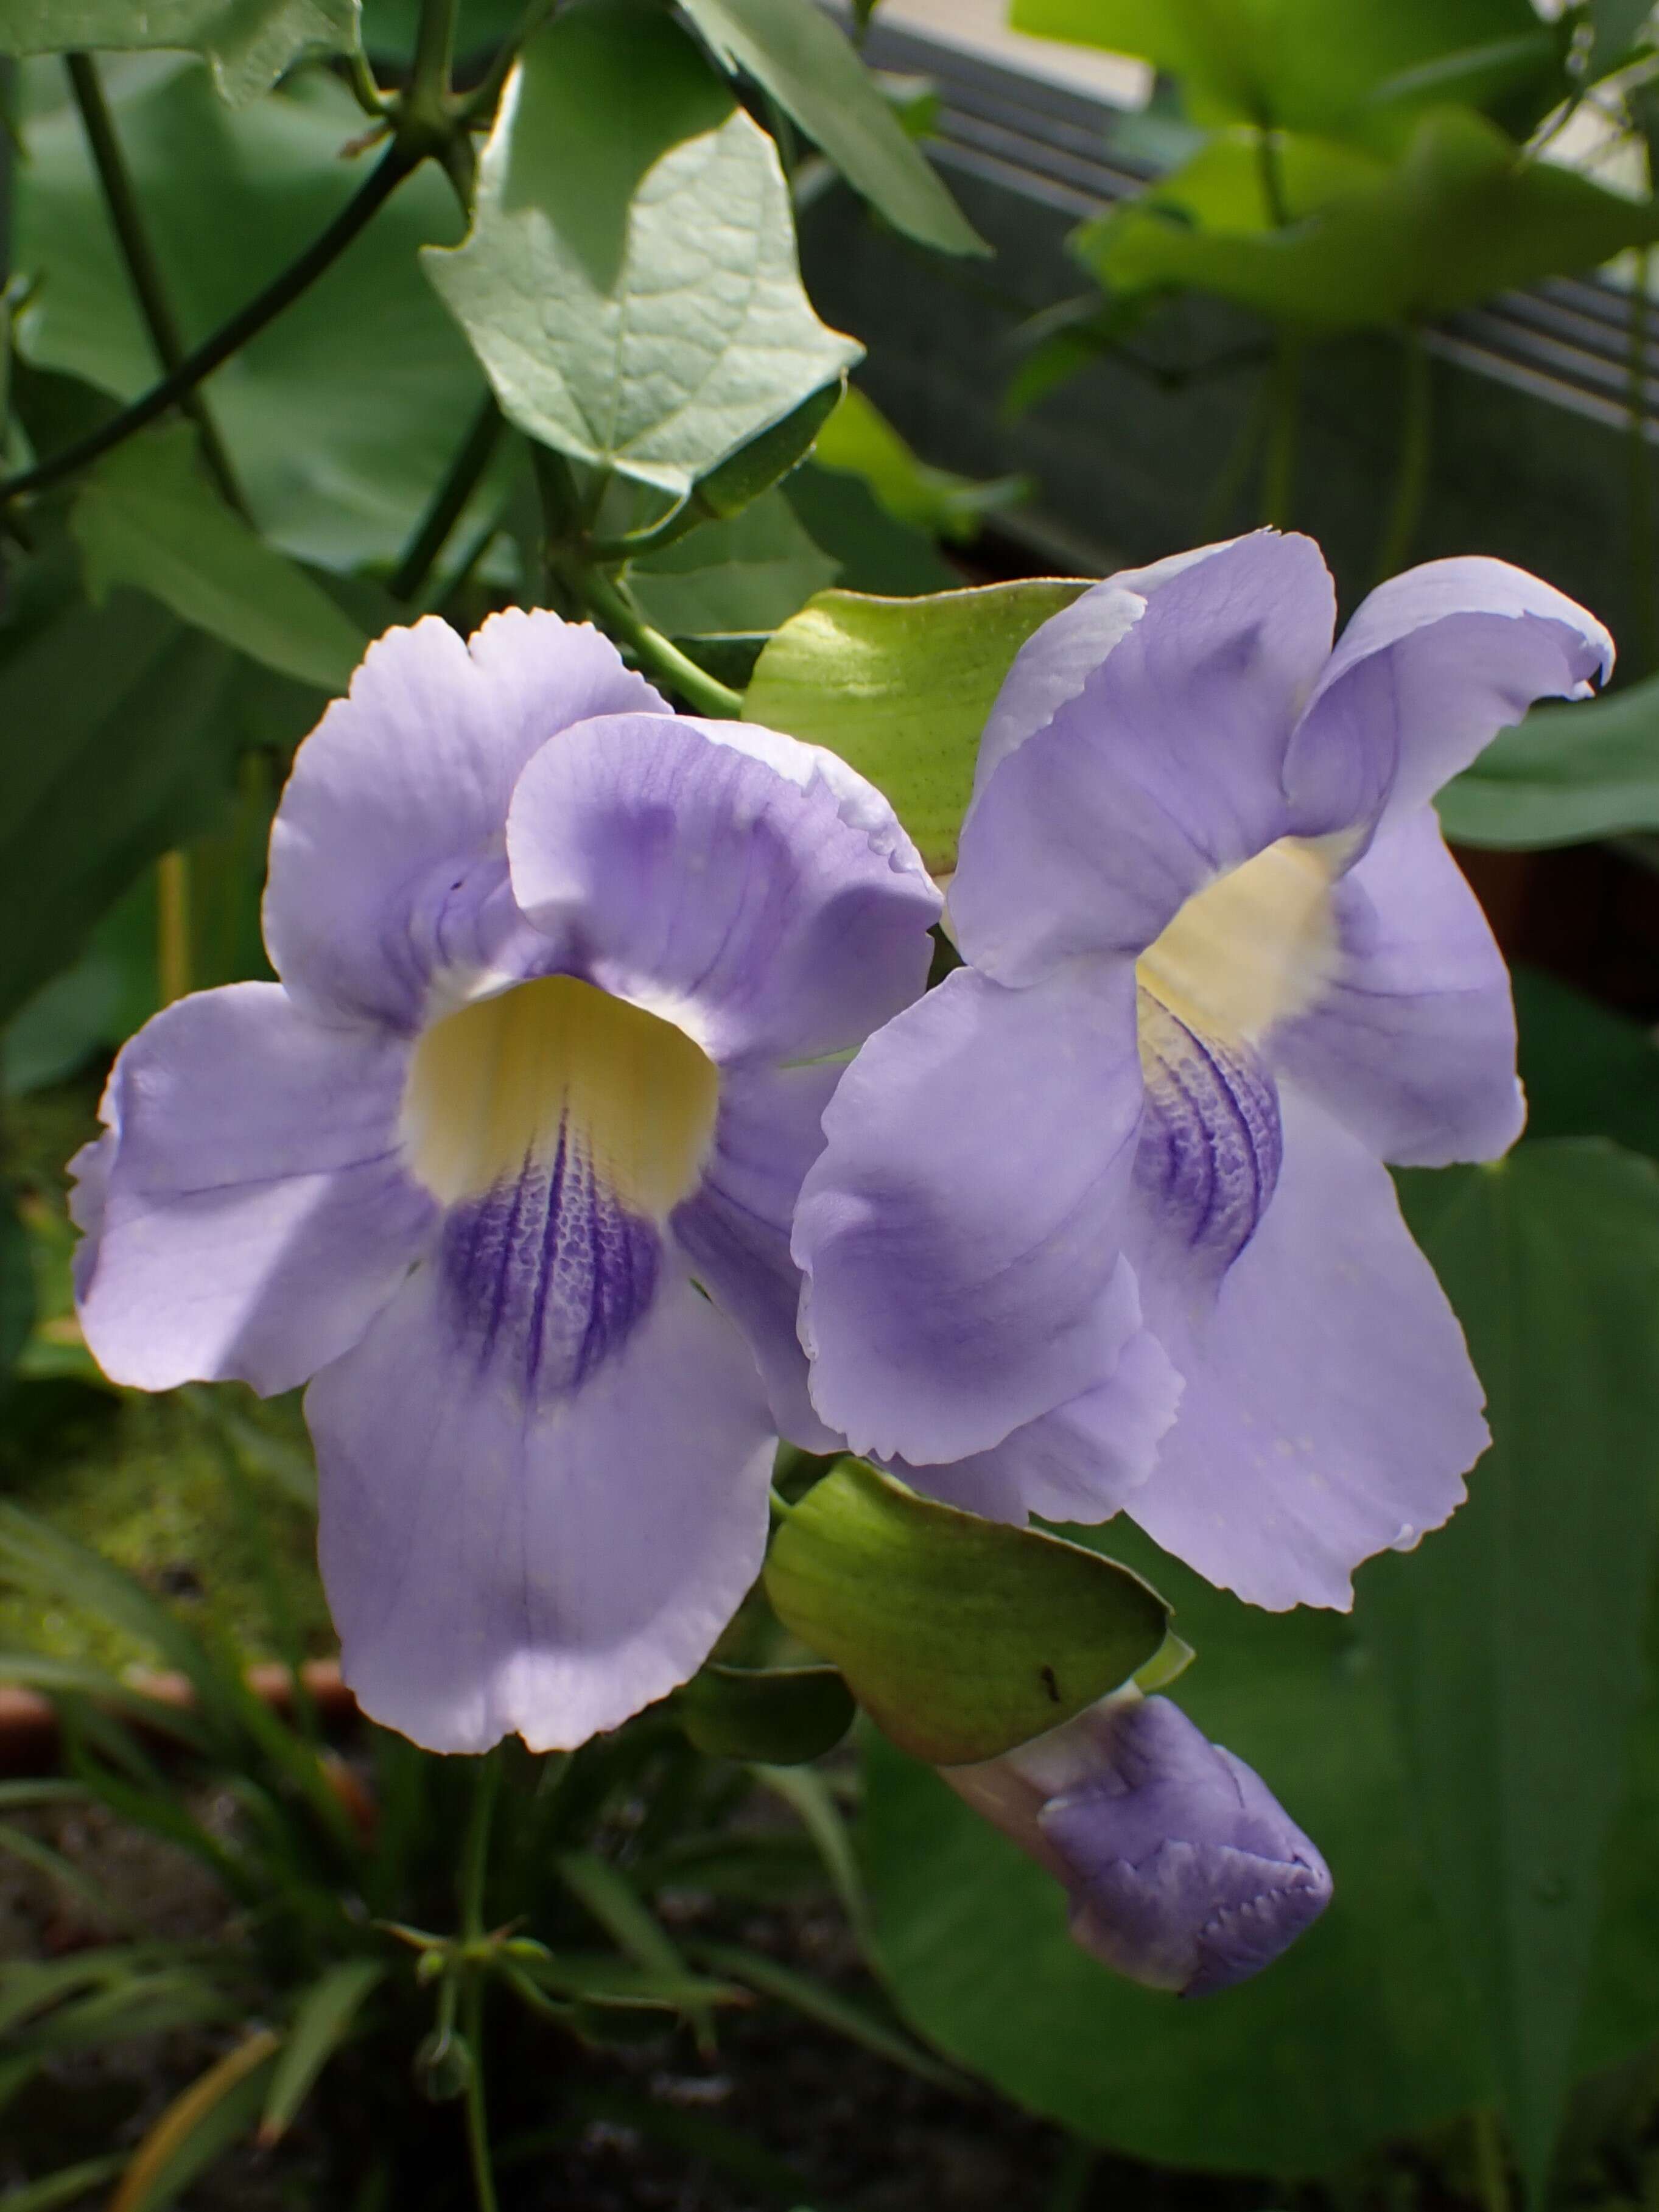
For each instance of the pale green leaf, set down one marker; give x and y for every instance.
(1514, 1646)
(247, 42)
(960, 1637)
(734, 577)
(902, 687)
(629, 282)
(148, 517)
(1461, 215)
(793, 50)
(1566, 774)
(858, 441)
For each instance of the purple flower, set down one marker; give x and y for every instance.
(504, 1166)
(1104, 1220)
(1183, 1869)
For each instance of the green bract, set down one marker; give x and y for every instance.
(634, 293)
(960, 1637)
(248, 43)
(900, 688)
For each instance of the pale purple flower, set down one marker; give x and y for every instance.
(1104, 1220)
(504, 1166)
(1183, 1869)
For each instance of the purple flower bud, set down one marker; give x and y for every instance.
(1184, 1871)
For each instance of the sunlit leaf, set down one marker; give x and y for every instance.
(1566, 775)
(1461, 215)
(148, 517)
(793, 50)
(248, 43)
(858, 440)
(735, 577)
(960, 1637)
(900, 688)
(1514, 1646)
(635, 295)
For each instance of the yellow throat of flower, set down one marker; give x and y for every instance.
(1254, 948)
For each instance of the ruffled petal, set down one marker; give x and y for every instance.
(248, 1207)
(1433, 665)
(1330, 1410)
(767, 914)
(960, 1231)
(735, 1231)
(1083, 1461)
(1161, 772)
(1412, 1043)
(548, 1562)
(387, 855)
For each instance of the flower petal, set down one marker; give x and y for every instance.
(735, 1231)
(1330, 1410)
(1433, 665)
(255, 1213)
(1083, 1461)
(697, 878)
(960, 1231)
(1412, 1044)
(550, 1566)
(1161, 771)
(386, 855)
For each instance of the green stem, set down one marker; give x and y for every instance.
(434, 54)
(1491, 2167)
(1272, 175)
(479, 105)
(656, 653)
(172, 948)
(1411, 479)
(1641, 474)
(432, 533)
(143, 270)
(1278, 469)
(475, 1846)
(474, 1866)
(358, 211)
(478, 2118)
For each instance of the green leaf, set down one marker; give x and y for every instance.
(148, 517)
(765, 460)
(71, 2184)
(901, 689)
(1460, 216)
(341, 416)
(321, 2024)
(17, 1284)
(781, 1716)
(634, 293)
(734, 578)
(876, 554)
(817, 2001)
(1566, 774)
(809, 1797)
(1587, 1071)
(198, 2127)
(602, 1978)
(247, 42)
(792, 51)
(1618, 27)
(858, 441)
(960, 1637)
(1514, 1646)
(1302, 64)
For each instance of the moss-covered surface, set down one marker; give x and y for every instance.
(200, 1494)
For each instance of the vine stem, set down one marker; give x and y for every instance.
(655, 652)
(1411, 480)
(474, 1864)
(394, 166)
(143, 270)
(448, 501)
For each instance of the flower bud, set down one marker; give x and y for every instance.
(1184, 1871)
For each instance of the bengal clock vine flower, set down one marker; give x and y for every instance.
(503, 1166)
(1104, 1220)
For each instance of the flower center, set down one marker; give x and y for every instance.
(1254, 948)
(558, 1066)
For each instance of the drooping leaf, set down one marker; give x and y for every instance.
(734, 578)
(1514, 1646)
(1566, 774)
(960, 1637)
(858, 441)
(792, 49)
(199, 2126)
(1302, 64)
(875, 553)
(901, 689)
(633, 294)
(1461, 215)
(320, 2025)
(781, 1716)
(247, 43)
(148, 517)
(342, 415)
